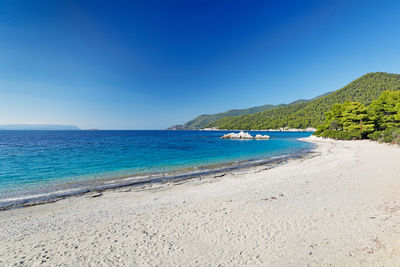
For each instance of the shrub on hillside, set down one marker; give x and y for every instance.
(390, 135)
(394, 134)
(340, 135)
(375, 136)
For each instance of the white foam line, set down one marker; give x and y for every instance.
(38, 196)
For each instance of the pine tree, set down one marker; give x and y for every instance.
(385, 111)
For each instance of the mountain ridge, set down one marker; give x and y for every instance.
(205, 120)
(202, 120)
(311, 113)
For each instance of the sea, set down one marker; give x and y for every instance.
(39, 166)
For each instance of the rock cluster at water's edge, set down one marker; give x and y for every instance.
(259, 136)
(243, 135)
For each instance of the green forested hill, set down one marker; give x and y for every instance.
(202, 120)
(311, 113)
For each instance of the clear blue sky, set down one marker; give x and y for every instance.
(152, 64)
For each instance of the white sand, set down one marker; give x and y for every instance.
(341, 208)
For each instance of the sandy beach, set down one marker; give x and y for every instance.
(340, 207)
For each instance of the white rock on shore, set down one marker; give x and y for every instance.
(259, 136)
(243, 135)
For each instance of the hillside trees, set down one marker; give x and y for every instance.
(347, 121)
(353, 120)
(385, 111)
(311, 113)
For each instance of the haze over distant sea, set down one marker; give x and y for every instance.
(37, 162)
(37, 127)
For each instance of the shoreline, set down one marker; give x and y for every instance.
(97, 186)
(341, 207)
(307, 130)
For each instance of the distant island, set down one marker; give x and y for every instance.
(37, 127)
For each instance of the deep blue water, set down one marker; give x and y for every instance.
(32, 162)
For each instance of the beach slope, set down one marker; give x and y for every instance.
(340, 206)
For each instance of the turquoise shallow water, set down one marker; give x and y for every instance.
(37, 162)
